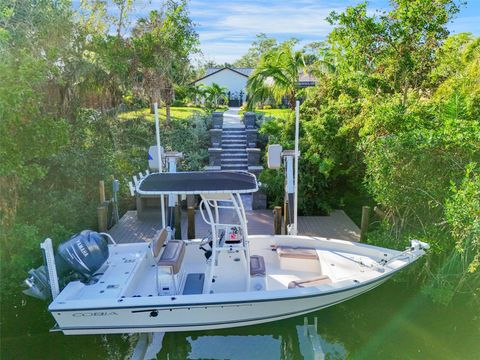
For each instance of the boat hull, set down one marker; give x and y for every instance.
(202, 316)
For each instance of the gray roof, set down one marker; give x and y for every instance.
(305, 78)
(244, 71)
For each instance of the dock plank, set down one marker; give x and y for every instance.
(260, 222)
(131, 229)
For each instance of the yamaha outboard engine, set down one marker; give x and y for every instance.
(83, 254)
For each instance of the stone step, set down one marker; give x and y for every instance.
(234, 141)
(234, 129)
(234, 136)
(234, 155)
(240, 147)
(234, 161)
(232, 151)
(234, 167)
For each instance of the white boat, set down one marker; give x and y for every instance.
(227, 279)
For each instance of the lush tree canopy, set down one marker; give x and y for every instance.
(394, 118)
(162, 45)
(64, 77)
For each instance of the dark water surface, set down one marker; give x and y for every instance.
(389, 322)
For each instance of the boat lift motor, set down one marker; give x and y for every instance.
(81, 256)
(275, 155)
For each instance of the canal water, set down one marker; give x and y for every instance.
(390, 322)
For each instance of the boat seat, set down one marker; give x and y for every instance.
(172, 255)
(257, 265)
(157, 244)
(297, 253)
(319, 280)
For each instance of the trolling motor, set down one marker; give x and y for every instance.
(79, 257)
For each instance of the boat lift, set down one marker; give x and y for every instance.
(290, 164)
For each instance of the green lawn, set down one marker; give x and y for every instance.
(278, 113)
(176, 113)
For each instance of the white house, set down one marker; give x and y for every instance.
(233, 79)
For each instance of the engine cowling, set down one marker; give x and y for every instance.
(85, 252)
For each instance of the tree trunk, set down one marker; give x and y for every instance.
(167, 113)
(292, 100)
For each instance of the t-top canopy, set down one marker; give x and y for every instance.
(200, 182)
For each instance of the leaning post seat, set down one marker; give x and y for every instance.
(157, 244)
(172, 255)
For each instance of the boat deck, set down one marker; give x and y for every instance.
(132, 272)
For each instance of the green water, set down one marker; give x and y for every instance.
(390, 322)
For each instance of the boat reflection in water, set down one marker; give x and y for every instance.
(289, 340)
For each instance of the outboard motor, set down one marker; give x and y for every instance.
(83, 254)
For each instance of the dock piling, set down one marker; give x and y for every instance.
(102, 209)
(277, 220)
(102, 215)
(191, 222)
(365, 222)
(178, 220)
(101, 191)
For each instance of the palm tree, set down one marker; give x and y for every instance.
(277, 75)
(214, 93)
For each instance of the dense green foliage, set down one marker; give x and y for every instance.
(63, 82)
(395, 115)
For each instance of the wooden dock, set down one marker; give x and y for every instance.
(260, 222)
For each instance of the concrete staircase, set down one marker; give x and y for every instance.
(234, 149)
(234, 143)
